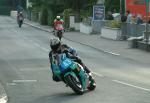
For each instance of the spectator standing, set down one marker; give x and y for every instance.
(133, 19)
(129, 16)
(139, 19)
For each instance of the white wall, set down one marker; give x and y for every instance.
(111, 33)
(73, 24)
(13, 14)
(80, 26)
(85, 29)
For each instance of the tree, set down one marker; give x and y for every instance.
(80, 7)
(112, 5)
(56, 7)
(53, 7)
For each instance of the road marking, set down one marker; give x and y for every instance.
(116, 54)
(98, 74)
(3, 99)
(23, 81)
(142, 88)
(11, 84)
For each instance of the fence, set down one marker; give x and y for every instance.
(132, 30)
(127, 29)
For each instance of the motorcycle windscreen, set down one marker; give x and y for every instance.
(65, 64)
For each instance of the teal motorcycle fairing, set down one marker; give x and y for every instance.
(67, 67)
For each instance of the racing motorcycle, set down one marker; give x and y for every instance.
(73, 75)
(20, 21)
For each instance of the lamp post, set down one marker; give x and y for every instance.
(146, 36)
(29, 7)
(122, 7)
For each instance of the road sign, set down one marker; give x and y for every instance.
(98, 12)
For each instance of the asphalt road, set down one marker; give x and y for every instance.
(25, 72)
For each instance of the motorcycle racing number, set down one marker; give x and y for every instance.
(66, 63)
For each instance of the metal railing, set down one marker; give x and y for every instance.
(132, 30)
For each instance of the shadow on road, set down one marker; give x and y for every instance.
(60, 98)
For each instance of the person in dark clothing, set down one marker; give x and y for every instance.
(123, 18)
(20, 18)
(139, 19)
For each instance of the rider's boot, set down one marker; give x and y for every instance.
(91, 79)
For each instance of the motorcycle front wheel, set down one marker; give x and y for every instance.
(59, 35)
(75, 84)
(20, 23)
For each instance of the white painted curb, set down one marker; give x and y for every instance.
(3, 95)
(3, 99)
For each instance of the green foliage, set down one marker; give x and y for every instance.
(112, 5)
(5, 7)
(80, 8)
(85, 13)
(66, 14)
(113, 24)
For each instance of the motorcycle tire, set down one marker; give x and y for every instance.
(75, 84)
(20, 24)
(59, 35)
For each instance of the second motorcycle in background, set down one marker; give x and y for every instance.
(58, 27)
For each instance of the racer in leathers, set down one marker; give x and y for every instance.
(58, 48)
(58, 24)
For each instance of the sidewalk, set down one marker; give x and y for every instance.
(116, 48)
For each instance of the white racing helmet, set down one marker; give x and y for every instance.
(58, 17)
(55, 44)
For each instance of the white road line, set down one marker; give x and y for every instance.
(11, 84)
(116, 54)
(23, 81)
(98, 74)
(142, 88)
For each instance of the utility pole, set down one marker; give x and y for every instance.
(146, 36)
(122, 6)
(27, 4)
